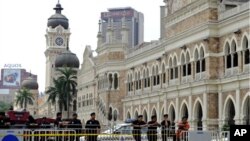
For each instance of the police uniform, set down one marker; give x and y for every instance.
(91, 128)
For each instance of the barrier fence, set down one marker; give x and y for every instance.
(110, 135)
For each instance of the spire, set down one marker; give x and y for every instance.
(58, 7)
(99, 31)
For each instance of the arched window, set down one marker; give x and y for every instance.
(136, 81)
(183, 64)
(110, 81)
(202, 60)
(163, 74)
(154, 75)
(171, 68)
(188, 64)
(157, 75)
(115, 113)
(145, 78)
(116, 81)
(175, 68)
(246, 51)
(148, 81)
(139, 80)
(227, 56)
(197, 62)
(83, 101)
(128, 83)
(131, 82)
(87, 100)
(74, 105)
(234, 54)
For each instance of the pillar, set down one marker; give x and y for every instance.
(237, 107)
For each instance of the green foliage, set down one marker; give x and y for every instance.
(4, 106)
(24, 97)
(64, 88)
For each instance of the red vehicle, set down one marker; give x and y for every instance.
(18, 117)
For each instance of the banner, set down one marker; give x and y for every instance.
(11, 77)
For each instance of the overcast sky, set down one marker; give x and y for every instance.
(23, 26)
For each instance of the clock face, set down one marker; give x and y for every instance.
(59, 41)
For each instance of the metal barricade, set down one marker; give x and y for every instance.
(107, 134)
(54, 135)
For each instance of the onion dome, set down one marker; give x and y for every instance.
(67, 59)
(58, 19)
(30, 83)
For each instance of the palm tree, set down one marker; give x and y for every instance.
(68, 79)
(56, 94)
(24, 97)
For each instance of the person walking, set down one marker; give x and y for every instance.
(165, 128)
(92, 128)
(152, 129)
(138, 124)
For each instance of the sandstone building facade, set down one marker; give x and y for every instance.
(199, 68)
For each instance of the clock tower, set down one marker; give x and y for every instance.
(57, 38)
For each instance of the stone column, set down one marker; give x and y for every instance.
(240, 61)
(177, 109)
(237, 107)
(165, 106)
(205, 118)
(193, 70)
(167, 77)
(159, 111)
(179, 74)
(220, 109)
(190, 112)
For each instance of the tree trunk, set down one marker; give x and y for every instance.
(25, 104)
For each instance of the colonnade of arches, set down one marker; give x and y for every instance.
(197, 117)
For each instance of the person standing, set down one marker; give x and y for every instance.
(58, 121)
(138, 124)
(182, 127)
(165, 128)
(152, 129)
(58, 124)
(4, 123)
(92, 128)
(77, 125)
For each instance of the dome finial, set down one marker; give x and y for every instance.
(58, 7)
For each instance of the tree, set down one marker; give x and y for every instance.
(56, 94)
(64, 88)
(24, 97)
(68, 79)
(4, 106)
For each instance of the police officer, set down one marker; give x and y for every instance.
(152, 128)
(76, 124)
(138, 124)
(58, 121)
(165, 127)
(92, 128)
